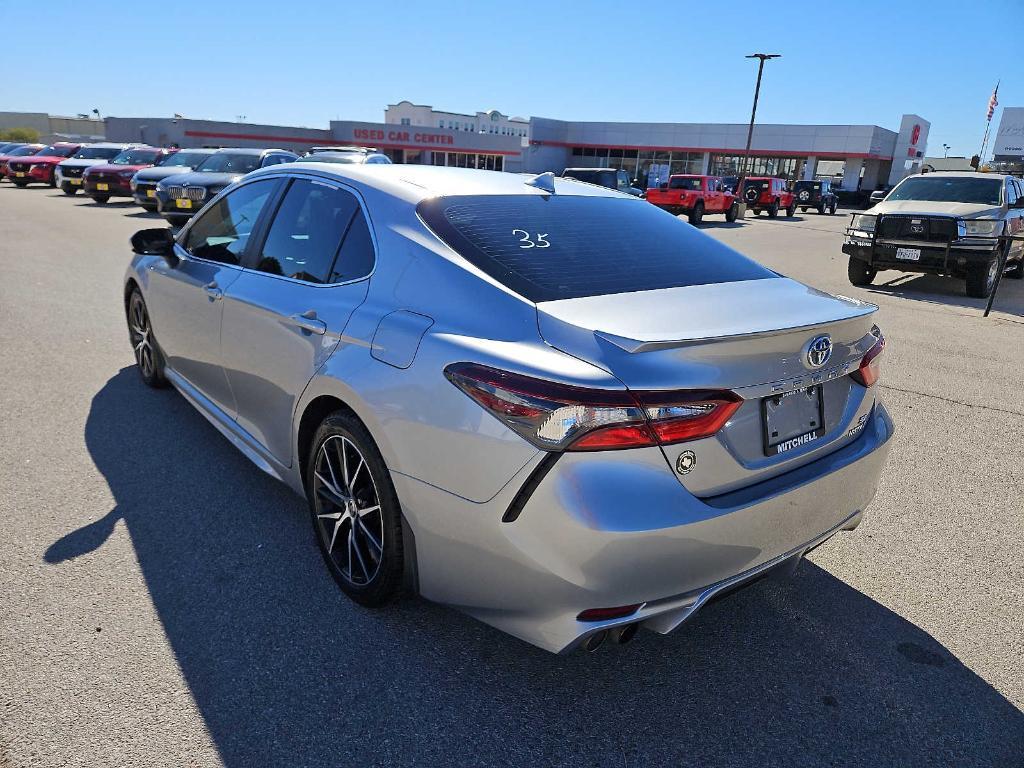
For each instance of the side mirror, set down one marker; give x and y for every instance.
(155, 242)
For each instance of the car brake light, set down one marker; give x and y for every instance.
(870, 369)
(561, 417)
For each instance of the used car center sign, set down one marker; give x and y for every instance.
(403, 137)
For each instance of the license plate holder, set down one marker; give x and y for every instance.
(792, 419)
(101, 187)
(182, 202)
(908, 254)
(19, 174)
(75, 182)
(150, 193)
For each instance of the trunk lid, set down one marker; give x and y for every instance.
(749, 337)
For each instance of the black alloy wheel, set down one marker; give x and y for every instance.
(355, 511)
(148, 359)
(697, 214)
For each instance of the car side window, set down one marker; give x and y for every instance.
(273, 160)
(1011, 192)
(356, 257)
(222, 232)
(306, 234)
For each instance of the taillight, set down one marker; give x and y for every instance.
(560, 417)
(870, 369)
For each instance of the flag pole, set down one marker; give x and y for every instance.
(993, 102)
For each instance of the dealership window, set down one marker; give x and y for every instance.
(405, 121)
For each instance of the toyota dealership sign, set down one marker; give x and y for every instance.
(1009, 141)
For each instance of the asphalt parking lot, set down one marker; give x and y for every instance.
(163, 602)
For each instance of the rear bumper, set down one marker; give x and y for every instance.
(614, 529)
(933, 258)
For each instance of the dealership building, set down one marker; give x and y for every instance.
(857, 156)
(1008, 146)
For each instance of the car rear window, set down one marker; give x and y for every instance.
(691, 184)
(550, 247)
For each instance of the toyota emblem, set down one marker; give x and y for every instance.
(819, 350)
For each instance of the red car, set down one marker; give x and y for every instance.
(102, 182)
(769, 194)
(25, 150)
(39, 168)
(695, 196)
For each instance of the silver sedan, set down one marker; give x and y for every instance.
(548, 404)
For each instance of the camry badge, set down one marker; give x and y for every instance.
(686, 462)
(819, 350)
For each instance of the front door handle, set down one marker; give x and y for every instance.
(213, 291)
(307, 321)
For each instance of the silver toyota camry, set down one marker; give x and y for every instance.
(546, 403)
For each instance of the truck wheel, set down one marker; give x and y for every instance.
(981, 278)
(821, 209)
(757, 211)
(790, 211)
(803, 209)
(733, 213)
(773, 209)
(832, 208)
(67, 189)
(697, 214)
(101, 199)
(1017, 271)
(860, 272)
(20, 183)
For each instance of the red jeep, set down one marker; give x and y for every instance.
(39, 168)
(694, 196)
(769, 194)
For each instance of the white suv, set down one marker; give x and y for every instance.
(69, 172)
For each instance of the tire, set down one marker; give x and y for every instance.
(697, 214)
(149, 361)
(101, 199)
(69, 190)
(335, 494)
(790, 211)
(20, 183)
(860, 272)
(53, 179)
(803, 209)
(148, 206)
(733, 213)
(832, 209)
(757, 211)
(821, 209)
(981, 278)
(1017, 271)
(773, 209)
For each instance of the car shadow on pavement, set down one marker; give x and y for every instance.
(286, 671)
(934, 289)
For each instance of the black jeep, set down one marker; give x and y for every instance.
(815, 194)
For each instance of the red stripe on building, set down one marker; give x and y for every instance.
(716, 150)
(339, 142)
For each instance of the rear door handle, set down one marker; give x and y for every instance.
(307, 321)
(213, 291)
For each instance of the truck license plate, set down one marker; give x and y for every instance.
(183, 203)
(103, 187)
(908, 254)
(792, 419)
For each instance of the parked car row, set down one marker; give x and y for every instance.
(174, 182)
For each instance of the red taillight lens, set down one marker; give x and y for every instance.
(870, 369)
(604, 614)
(558, 417)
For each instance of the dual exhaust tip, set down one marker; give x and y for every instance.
(619, 635)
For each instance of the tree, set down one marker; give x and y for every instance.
(27, 135)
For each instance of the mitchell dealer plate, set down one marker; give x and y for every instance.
(792, 419)
(908, 254)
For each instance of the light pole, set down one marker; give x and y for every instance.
(945, 150)
(762, 57)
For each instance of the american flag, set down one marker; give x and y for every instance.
(993, 102)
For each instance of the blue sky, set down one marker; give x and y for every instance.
(304, 62)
